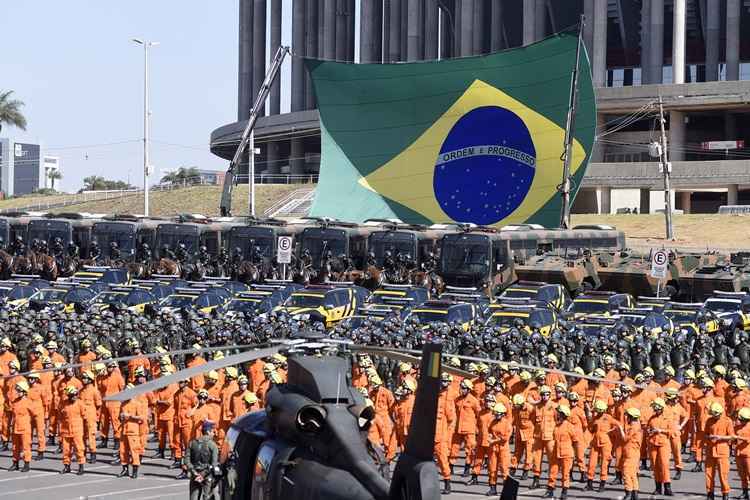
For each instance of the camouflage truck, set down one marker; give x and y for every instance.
(723, 274)
(576, 273)
(630, 272)
(562, 256)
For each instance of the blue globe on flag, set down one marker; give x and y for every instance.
(485, 167)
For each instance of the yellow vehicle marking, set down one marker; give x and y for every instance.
(511, 314)
(390, 292)
(436, 311)
(304, 294)
(592, 301)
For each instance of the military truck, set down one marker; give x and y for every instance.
(477, 257)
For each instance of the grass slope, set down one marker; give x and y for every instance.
(691, 230)
(200, 199)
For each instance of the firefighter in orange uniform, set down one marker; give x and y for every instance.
(86, 357)
(55, 356)
(467, 411)
(39, 400)
(383, 401)
(23, 413)
(659, 429)
(202, 412)
(402, 411)
(577, 384)
(743, 449)
(737, 397)
(544, 431)
(72, 414)
(255, 374)
(677, 416)
(446, 417)
(9, 395)
(632, 436)
(551, 379)
(251, 402)
(703, 405)
(500, 432)
(132, 416)
(561, 460)
(483, 449)
(238, 406)
(689, 394)
(213, 389)
(91, 400)
(719, 432)
(195, 359)
(138, 362)
(111, 384)
(721, 386)
(184, 400)
(165, 414)
(227, 390)
(601, 424)
(580, 424)
(523, 423)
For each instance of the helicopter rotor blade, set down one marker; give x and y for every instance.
(161, 382)
(414, 360)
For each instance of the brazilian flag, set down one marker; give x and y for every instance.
(477, 139)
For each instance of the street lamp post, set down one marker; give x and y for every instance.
(146, 116)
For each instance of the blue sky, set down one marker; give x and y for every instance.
(74, 65)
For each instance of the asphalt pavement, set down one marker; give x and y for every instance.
(157, 481)
(44, 481)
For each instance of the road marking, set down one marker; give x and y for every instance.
(31, 490)
(163, 495)
(122, 492)
(44, 474)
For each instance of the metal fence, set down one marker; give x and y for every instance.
(734, 210)
(279, 179)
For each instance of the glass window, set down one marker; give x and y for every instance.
(260, 487)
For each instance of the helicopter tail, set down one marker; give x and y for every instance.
(415, 476)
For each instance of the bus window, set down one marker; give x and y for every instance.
(211, 240)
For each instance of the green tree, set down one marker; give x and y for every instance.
(10, 111)
(183, 175)
(54, 175)
(99, 183)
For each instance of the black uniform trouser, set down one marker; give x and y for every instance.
(204, 490)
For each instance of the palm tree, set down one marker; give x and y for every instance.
(54, 175)
(170, 177)
(10, 111)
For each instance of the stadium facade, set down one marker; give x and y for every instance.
(701, 70)
(24, 168)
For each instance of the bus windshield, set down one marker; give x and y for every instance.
(123, 234)
(172, 235)
(465, 254)
(246, 239)
(319, 244)
(395, 242)
(44, 230)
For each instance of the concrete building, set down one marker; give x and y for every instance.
(693, 53)
(22, 168)
(50, 164)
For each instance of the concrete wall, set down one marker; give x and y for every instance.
(656, 201)
(625, 198)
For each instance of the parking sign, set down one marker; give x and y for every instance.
(659, 261)
(284, 250)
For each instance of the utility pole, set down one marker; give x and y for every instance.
(567, 155)
(666, 167)
(146, 120)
